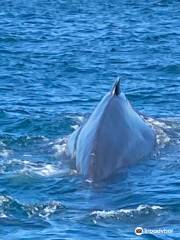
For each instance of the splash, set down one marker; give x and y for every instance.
(59, 147)
(161, 128)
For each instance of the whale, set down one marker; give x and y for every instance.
(114, 137)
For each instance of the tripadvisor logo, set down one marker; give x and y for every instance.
(138, 231)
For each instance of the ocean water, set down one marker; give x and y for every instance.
(57, 59)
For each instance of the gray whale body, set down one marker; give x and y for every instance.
(114, 137)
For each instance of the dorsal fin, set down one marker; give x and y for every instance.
(116, 88)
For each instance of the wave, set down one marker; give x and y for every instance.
(140, 211)
(12, 208)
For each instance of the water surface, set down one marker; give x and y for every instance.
(58, 58)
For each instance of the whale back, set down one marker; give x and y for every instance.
(113, 138)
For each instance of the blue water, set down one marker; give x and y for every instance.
(57, 59)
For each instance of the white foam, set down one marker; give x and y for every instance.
(42, 169)
(156, 207)
(27, 155)
(46, 170)
(3, 215)
(73, 172)
(80, 118)
(129, 212)
(50, 209)
(162, 138)
(158, 123)
(18, 161)
(60, 149)
(75, 126)
(38, 137)
(45, 139)
(5, 153)
(43, 210)
(19, 166)
(3, 199)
